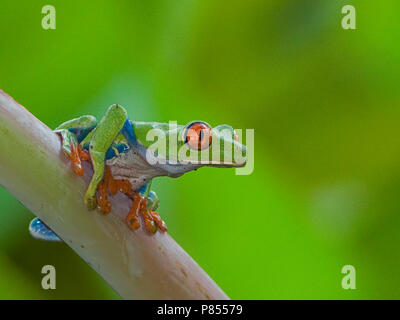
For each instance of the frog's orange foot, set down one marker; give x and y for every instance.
(102, 188)
(83, 154)
(77, 155)
(133, 216)
(159, 222)
(109, 184)
(76, 160)
(152, 221)
(114, 186)
(102, 200)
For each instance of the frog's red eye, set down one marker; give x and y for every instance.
(198, 136)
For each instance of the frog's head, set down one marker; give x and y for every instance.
(179, 149)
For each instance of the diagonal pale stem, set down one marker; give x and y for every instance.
(137, 265)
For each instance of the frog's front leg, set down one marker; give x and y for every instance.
(72, 150)
(113, 186)
(144, 202)
(152, 205)
(72, 133)
(102, 138)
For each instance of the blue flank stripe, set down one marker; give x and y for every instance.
(128, 133)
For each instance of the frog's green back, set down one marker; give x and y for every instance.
(144, 133)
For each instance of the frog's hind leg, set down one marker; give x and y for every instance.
(103, 136)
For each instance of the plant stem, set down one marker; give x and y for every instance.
(137, 265)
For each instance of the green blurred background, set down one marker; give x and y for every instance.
(324, 103)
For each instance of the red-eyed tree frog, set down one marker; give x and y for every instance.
(126, 155)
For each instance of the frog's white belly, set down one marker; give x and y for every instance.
(131, 166)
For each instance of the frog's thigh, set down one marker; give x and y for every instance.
(108, 128)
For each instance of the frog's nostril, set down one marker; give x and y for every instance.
(235, 136)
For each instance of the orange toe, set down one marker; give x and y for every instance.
(133, 216)
(76, 161)
(114, 186)
(159, 222)
(150, 225)
(104, 204)
(83, 154)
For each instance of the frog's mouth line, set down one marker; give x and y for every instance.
(215, 163)
(199, 164)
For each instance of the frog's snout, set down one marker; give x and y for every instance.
(232, 152)
(235, 136)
